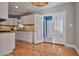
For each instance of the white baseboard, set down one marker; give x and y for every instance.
(48, 41)
(36, 42)
(69, 45)
(77, 50)
(73, 46)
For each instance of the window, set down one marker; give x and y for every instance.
(58, 24)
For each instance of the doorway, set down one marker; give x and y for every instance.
(54, 28)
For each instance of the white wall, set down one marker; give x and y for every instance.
(77, 25)
(38, 26)
(69, 8)
(28, 19)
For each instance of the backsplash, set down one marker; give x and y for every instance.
(5, 28)
(29, 28)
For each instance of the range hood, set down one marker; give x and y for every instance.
(1, 19)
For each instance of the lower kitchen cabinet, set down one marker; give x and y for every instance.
(24, 36)
(7, 42)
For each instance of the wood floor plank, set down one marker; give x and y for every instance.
(42, 49)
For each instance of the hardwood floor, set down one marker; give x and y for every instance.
(42, 49)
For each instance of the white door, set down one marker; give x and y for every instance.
(59, 34)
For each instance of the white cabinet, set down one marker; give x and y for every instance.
(4, 10)
(15, 21)
(29, 19)
(7, 42)
(12, 21)
(37, 36)
(17, 35)
(27, 36)
(9, 21)
(4, 14)
(24, 36)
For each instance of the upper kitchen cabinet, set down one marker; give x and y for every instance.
(9, 21)
(12, 21)
(4, 10)
(29, 19)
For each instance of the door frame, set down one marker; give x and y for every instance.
(65, 30)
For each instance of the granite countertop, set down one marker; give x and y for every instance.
(6, 31)
(15, 30)
(25, 30)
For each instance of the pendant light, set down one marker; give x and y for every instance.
(39, 3)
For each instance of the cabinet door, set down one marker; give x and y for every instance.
(4, 10)
(24, 36)
(7, 43)
(27, 36)
(4, 23)
(28, 19)
(9, 21)
(17, 35)
(15, 21)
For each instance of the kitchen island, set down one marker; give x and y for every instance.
(7, 42)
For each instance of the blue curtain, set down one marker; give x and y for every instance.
(46, 18)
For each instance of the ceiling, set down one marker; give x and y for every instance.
(28, 8)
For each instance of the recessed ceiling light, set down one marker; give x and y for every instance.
(16, 6)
